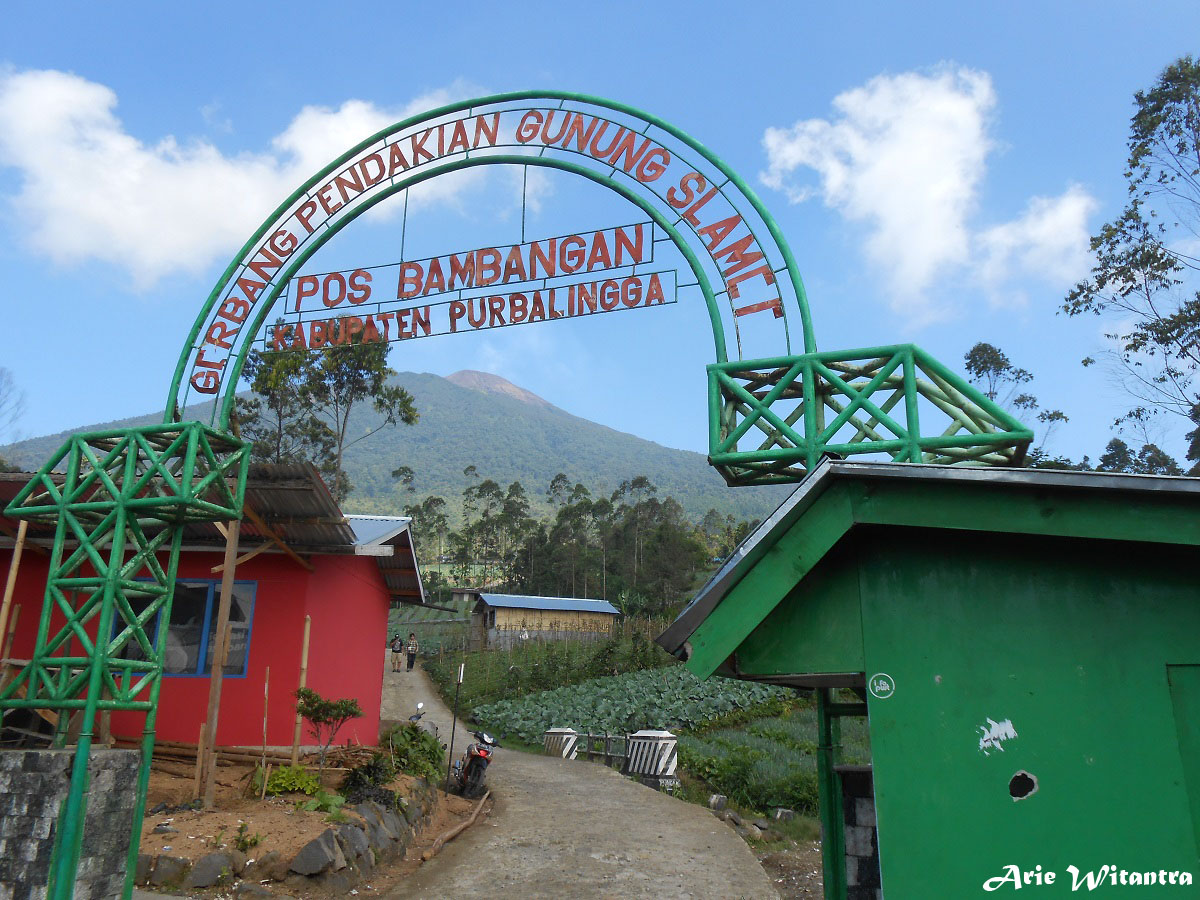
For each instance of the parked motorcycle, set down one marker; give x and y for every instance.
(415, 719)
(470, 772)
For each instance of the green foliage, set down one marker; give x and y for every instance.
(492, 675)
(378, 770)
(322, 801)
(325, 717)
(413, 751)
(288, 780)
(1144, 276)
(244, 840)
(768, 761)
(670, 698)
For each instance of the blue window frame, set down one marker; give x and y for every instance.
(191, 637)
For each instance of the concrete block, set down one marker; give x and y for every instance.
(864, 811)
(860, 840)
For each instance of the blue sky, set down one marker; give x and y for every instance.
(936, 169)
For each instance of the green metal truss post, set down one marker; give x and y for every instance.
(125, 498)
(799, 409)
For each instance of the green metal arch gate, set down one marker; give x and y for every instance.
(126, 494)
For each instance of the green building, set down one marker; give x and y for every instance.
(1026, 647)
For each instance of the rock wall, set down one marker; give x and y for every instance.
(338, 859)
(33, 787)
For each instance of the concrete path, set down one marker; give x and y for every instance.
(574, 829)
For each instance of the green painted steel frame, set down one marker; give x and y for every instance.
(230, 378)
(861, 388)
(126, 496)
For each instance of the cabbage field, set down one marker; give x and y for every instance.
(670, 697)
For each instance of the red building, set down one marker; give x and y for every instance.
(299, 556)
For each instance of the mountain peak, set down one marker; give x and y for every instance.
(487, 383)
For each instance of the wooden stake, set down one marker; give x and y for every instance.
(220, 654)
(11, 585)
(266, 688)
(200, 760)
(303, 683)
(266, 775)
(454, 832)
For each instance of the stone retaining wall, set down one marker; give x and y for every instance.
(33, 786)
(337, 859)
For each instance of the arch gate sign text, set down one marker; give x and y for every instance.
(777, 405)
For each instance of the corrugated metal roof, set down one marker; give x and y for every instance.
(293, 502)
(574, 604)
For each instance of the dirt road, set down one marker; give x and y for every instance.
(577, 829)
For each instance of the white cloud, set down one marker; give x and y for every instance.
(905, 156)
(92, 191)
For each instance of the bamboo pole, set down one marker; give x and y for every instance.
(454, 832)
(303, 683)
(11, 585)
(266, 694)
(5, 669)
(219, 656)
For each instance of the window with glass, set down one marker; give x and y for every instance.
(191, 636)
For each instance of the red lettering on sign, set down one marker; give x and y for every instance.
(487, 266)
(305, 214)
(434, 280)
(476, 320)
(551, 311)
(654, 293)
(457, 310)
(496, 308)
(594, 145)
(360, 286)
(713, 234)
(518, 308)
(458, 141)
(411, 278)
(208, 363)
(514, 265)
(631, 246)
(386, 319)
(250, 288)
(418, 147)
(298, 339)
(623, 154)
(631, 291)
(235, 309)
(483, 131)
(688, 185)
(370, 179)
(283, 242)
(306, 286)
(462, 270)
(562, 129)
(599, 257)
(537, 309)
(218, 333)
(577, 131)
(735, 254)
(610, 295)
(570, 253)
(371, 332)
(348, 179)
(403, 329)
(527, 128)
(690, 213)
(396, 160)
(774, 305)
(652, 166)
(542, 252)
(420, 319)
(206, 382)
(732, 283)
(318, 334)
(331, 300)
(585, 294)
(327, 201)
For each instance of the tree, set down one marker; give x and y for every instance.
(325, 717)
(278, 420)
(341, 378)
(1150, 460)
(1145, 259)
(990, 367)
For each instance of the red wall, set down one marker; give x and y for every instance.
(348, 603)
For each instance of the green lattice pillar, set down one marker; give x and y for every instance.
(126, 496)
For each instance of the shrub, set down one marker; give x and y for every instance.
(288, 780)
(414, 751)
(325, 717)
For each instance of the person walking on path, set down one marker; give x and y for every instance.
(397, 649)
(412, 649)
